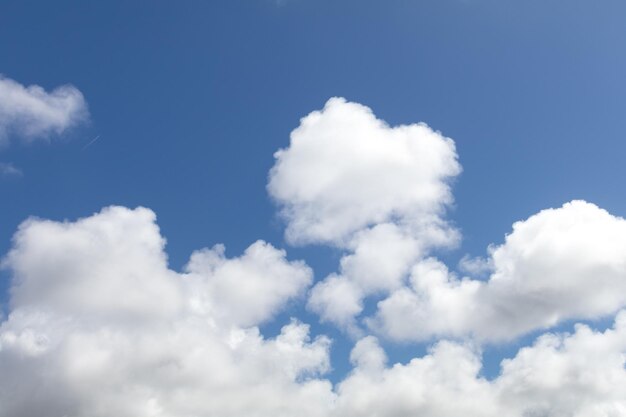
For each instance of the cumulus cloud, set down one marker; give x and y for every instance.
(379, 192)
(573, 375)
(77, 267)
(345, 170)
(100, 326)
(32, 113)
(247, 290)
(559, 264)
(379, 261)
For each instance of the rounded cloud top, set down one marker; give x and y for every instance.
(345, 170)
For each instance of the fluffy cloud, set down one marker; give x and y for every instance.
(380, 259)
(350, 180)
(248, 290)
(577, 375)
(565, 263)
(99, 325)
(444, 383)
(31, 112)
(378, 192)
(345, 170)
(110, 263)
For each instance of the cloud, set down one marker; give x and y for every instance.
(380, 259)
(238, 290)
(574, 375)
(9, 170)
(350, 180)
(474, 266)
(31, 113)
(560, 264)
(379, 193)
(346, 170)
(99, 325)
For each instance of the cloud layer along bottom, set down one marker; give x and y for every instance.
(99, 326)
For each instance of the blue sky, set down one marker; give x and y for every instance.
(190, 100)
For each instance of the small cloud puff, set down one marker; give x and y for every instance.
(7, 169)
(30, 113)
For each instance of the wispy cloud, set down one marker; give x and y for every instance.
(9, 170)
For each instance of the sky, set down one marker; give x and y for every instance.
(312, 207)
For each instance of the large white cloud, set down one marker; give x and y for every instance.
(350, 180)
(560, 375)
(100, 326)
(110, 263)
(345, 170)
(32, 113)
(565, 263)
(378, 192)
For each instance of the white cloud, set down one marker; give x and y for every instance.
(338, 300)
(444, 383)
(565, 263)
(100, 326)
(346, 170)
(32, 113)
(560, 375)
(110, 263)
(248, 290)
(378, 192)
(379, 261)
(336, 186)
(350, 180)
(576, 375)
(474, 266)
(9, 170)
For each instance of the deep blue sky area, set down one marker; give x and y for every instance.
(192, 98)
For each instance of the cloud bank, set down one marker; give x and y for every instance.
(560, 264)
(99, 325)
(31, 113)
